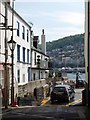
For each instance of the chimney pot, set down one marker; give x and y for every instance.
(43, 31)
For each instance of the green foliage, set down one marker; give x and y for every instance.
(74, 40)
(71, 46)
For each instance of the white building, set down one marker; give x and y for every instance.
(26, 71)
(21, 36)
(39, 70)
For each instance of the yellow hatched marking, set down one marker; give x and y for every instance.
(76, 101)
(44, 101)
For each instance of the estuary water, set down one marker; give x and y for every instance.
(72, 76)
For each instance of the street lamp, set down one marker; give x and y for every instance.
(11, 45)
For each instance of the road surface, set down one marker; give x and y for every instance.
(58, 111)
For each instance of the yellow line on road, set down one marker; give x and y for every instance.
(44, 101)
(75, 102)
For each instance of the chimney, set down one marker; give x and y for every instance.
(43, 42)
(35, 41)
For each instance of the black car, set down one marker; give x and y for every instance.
(80, 83)
(62, 92)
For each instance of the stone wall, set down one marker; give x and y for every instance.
(28, 88)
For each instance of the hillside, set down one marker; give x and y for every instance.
(75, 41)
(68, 51)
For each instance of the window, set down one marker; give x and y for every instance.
(18, 52)
(23, 77)
(41, 57)
(34, 76)
(28, 55)
(35, 58)
(27, 36)
(23, 32)
(18, 28)
(23, 54)
(39, 75)
(18, 75)
(28, 73)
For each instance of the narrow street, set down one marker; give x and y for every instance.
(57, 111)
(44, 60)
(76, 100)
(42, 113)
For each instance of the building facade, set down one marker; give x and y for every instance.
(21, 35)
(39, 59)
(87, 50)
(26, 72)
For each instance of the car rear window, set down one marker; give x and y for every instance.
(59, 89)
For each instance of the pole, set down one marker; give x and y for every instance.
(88, 54)
(12, 56)
(6, 97)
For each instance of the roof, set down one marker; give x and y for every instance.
(39, 51)
(9, 7)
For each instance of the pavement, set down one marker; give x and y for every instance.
(76, 111)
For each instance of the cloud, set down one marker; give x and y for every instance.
(63, 31)
(68, 17)
(50, 1)
(74, 18)
(55, 33)
(57, 23)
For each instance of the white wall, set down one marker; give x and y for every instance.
(43, 70)
(23, 43)
(86, 40)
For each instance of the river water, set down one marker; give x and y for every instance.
(72, 76)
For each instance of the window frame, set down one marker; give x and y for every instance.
(18, 75)
(23, 54)
(18, 28)
(35, 58)
(27, 35)
(18, 52)
(28, 55)
(23, 32)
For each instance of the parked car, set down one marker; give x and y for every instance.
(80, 83)
(62, 92)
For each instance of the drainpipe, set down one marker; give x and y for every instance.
(6, 81)
(88, 54)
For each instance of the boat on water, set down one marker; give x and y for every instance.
(72, 70)
(74, 79)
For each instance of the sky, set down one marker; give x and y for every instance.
(58, 18)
